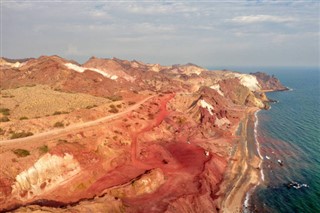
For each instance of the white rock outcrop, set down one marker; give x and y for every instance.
(46, 174)
(216, 87)
(82, 69)
(249, 81)
(206, 105)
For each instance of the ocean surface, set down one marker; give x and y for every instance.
(290, 132)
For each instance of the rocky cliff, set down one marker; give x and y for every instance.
(269, 83)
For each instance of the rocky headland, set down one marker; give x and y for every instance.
(113, 135)
(269, 83)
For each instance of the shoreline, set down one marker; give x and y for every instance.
(244, 171)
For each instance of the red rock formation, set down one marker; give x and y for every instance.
(168, 154)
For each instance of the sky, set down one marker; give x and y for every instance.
(207, 33)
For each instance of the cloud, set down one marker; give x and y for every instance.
(159, 8)
(261, 18)
(205, 32)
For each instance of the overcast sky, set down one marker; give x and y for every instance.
(207, 33)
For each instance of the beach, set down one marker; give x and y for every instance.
(243, 172)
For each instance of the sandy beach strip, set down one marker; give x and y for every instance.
(243, 172)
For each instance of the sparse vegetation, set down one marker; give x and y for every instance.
(22, 104)
(5, 111)
(31, 85)
(43, 149)
(58, 124)
(119, 106)
(60, 112)
(21, 152)
(117, 132)
(115, 98)
(7, 96)
(22, 134)
(24, 118)
(4, 119)
(131, 102)
(181, 120)
(91, 106)
(114, 110)
(2, 131)
(151, 116)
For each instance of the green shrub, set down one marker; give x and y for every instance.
(24, 118)
(43, 149)
(5, 111)
(4, 119)
(21, 152)
(58, 124)
(22, 134)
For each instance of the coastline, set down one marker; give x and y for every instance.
(244, 170)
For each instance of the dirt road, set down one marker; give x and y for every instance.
(57, 132)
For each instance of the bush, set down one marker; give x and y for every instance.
(151, 116)
(115, 98)
(59, 112)
(43, 149)
(114, 110)
(91, 106)
(24, 118)
(5, 111)
(21, 152)
(22, 134)
(131, 102)
(4, 119)
(2, 131)
(58, 124)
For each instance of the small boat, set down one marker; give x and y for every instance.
(267, 157)
(280, 162)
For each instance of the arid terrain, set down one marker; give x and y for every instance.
(113, 135)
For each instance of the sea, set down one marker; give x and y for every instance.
(289, 139)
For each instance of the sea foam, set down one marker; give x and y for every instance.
(257, 142)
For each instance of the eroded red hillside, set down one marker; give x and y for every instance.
(166, 152)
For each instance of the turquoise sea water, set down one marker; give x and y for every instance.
(290, 132)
